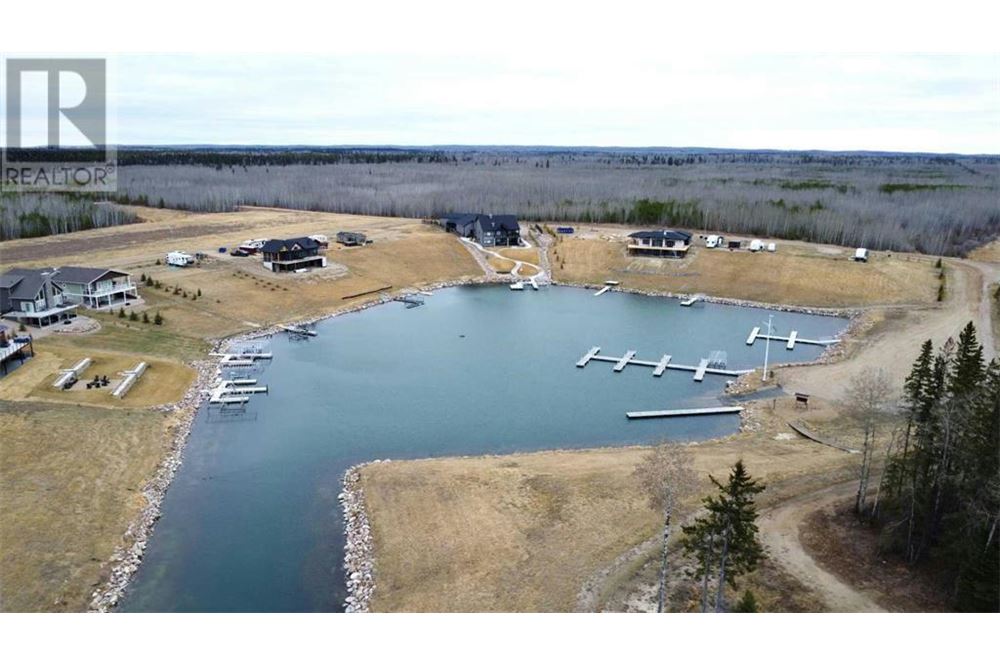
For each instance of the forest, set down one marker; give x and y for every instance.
(935, 204)
(937, 505)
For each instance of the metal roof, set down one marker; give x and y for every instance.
(81, 275)
(661, 234)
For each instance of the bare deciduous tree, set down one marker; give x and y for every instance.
(666, 476)
(867, 399)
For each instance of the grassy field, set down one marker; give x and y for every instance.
(501, 265)
(524, 532)
(798, 274)
(69, 486)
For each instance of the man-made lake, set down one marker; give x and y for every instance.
(252, 521)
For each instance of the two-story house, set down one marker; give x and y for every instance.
(281, 255)
(32, 297)
(95, 288)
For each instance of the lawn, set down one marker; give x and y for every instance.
(70, 480)
(798, 274)
(524, 532)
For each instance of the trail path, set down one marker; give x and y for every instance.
(779, 530)
(896, 346)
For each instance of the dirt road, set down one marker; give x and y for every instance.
(779, 530)
(895, 345)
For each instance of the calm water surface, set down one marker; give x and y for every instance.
(252, 523)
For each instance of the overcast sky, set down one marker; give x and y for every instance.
(836, 102)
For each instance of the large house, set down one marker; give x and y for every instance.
(487, 230)
(33, 297)
(282, 255)
(95, 288)
(659, 243)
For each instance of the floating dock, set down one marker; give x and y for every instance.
(792, 339)
(299, 331)
(702, 369)
(235, 391)
(662, 366)
(623, 362)
(587, 357)
(534, 283)
(602, 290)
(691, 300)
(689, 412)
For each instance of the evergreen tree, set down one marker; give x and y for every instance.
(724, 541)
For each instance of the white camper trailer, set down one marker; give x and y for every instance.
(756, 245)
(861, 255)
(178, 258)
(715, 241)
(252, 246)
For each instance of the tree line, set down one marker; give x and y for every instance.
(939, 499)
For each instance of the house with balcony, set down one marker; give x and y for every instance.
(95, 287)
(659, 243)
(298, 254)
(486, 229)
(33, 298)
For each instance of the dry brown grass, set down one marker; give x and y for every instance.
(163, 382)
(69, 486)
(524, 532)
(987, 253)
(238, 294)
(797, 274)
(500, 265)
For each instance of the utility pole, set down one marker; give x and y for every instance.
(767, 347)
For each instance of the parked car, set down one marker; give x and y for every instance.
(239, 252)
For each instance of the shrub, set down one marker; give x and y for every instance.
(157, 262)
(747, 603)
(158, 320)
(199, 291)
(145, 318)
(21, 327)
(121, 313)
(133, 317)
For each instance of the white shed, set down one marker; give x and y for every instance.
(861, 255)
(756, 245)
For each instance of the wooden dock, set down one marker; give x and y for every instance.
(689, 412)
(807, 433)
(659, 367)
(791, 339)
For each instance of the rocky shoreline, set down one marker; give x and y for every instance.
(359, 562)
(358, 559)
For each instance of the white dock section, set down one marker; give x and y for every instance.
(690, 301)
(587, 357)
(623, 362)
(659, 367)
(534, 283)
(131, 377)
(691, 412)
(74, 372)
(792, 339)
(662, 366)
(235, 391)
(602, 290)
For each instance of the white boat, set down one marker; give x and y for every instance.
(517, 287)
